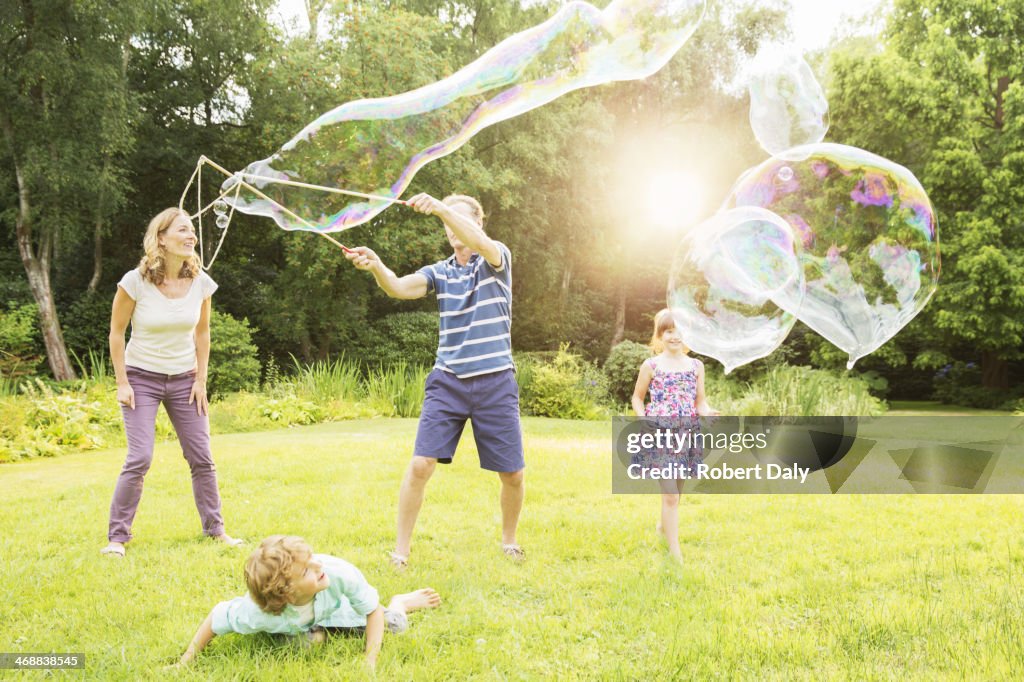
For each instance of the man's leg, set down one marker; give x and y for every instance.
(442, 419)
(410, 499)
(513, 490)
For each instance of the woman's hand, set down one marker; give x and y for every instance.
(198, 395)
(126, 395)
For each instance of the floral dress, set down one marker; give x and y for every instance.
(673, 405)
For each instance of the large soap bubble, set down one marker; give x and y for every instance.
(869, 238)
(723, 278)
(375, 146)
(787, 105)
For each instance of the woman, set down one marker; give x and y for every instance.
(167, 300)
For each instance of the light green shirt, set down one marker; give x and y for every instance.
(345, 603)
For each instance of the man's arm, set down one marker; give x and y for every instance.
(469, 231)
(410, 286)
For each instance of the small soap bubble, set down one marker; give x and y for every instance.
(220, 207)
(223, 221)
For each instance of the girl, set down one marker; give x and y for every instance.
(676, 384)
(167, 300)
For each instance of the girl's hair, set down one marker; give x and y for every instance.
(478, 210)
(269, 570)
(153, 262)
(663, 321)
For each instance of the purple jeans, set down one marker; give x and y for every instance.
(140, 427)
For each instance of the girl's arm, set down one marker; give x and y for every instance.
(703, 409)
(199, 642)
(374, 635)
(643, 380)
(120, 316)
(202, 335)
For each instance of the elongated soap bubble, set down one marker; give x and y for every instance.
(723, 278)
(376, 146)
(868, 235)
(787, 105)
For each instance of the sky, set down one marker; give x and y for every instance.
(813, 21)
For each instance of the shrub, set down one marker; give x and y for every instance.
(397, 390)
(567, 388)
(959, 383)
(20, 341)
(801, 392)
(86, 323)
(622, 367)
(234, 364)
(402, 337)
(327, 380)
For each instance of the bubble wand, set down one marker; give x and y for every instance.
(236, 190)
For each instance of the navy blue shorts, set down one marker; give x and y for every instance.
(490, 400)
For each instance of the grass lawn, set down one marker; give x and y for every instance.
(927, 408)
(773, 587)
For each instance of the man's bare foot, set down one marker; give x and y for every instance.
(425, 598)
(228, 540)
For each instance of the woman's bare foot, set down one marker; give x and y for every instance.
(228, 540)
(414, 601)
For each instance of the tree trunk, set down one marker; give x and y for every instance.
(994, 371)
(619, 332)
(97, 253)
(37, 267)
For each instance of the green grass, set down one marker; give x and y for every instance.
(922, 408)
(773, 587)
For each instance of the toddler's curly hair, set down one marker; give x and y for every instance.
(269, 570)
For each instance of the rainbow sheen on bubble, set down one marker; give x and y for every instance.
(376, 146)
(868, 238)
(723, 278)
(787, 105)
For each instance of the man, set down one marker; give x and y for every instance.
(473, 376)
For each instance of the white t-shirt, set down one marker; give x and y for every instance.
(162, 338)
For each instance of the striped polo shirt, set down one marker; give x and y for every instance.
(475, 302)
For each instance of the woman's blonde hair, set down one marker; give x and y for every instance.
(270, 569)
(153, 262)
(478, 210)
(663, 321)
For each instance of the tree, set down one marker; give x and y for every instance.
(944, 98)
(63, 114)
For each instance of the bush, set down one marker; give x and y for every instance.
(20, 341)
(800, 392)
(234, 364)
(402, 337)
(397, 390)
(86, 323)
(622, 367)
(959, 383)
(567, 388)
(51, 419)
(328, 380)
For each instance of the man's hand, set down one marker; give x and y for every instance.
(363, 258)
(424, 203)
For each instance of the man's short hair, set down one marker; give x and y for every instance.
(478, 210)
(270, 568)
